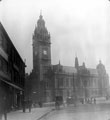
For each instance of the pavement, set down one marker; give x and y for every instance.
(39, 113)
(35, 114)
(98, 111)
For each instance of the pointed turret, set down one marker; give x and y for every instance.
(76, 63)
(59, 62)
(101, 68)
(41, 22)
(83, 64)
(41, 32)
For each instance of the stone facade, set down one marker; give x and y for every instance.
(49, 80)
(64, 79)
(80, 81)
(41, 61)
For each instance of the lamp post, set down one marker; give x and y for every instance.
(34, 98)
(21, 94)
(74, 90)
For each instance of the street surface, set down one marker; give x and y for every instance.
(81, 112)
(98, 111)
(35, 114)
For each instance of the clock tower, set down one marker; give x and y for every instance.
(41, 49)
(41, 60)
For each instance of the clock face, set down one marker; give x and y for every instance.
(44, 52)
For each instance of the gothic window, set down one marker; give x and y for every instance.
(68, 93)
(71, 81)
(47, 94)
(67, 82)
(56, 83)
(61, 82)
(47, 84)
(60, 92)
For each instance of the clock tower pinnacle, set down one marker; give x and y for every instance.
(41, 49)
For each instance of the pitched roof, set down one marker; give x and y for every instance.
(66, 69)
(69, 69)
(93, 71)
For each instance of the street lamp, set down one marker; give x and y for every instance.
(34, 98)
(74, 89)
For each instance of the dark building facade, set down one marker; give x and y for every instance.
(49, 81)
(12, 72)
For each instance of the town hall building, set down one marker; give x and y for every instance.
(49, 81)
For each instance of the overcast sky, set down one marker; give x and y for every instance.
(79, 27)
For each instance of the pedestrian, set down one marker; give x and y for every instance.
(40, 104)
(82, 101)
(91, 100)
(29, 105)
(1, 102)
(1, 108)
(4, 108)
(94, 101)
(23, 105)
(56, 105)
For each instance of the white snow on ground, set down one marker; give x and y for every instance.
(33, 115)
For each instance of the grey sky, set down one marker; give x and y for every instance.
(76, 26)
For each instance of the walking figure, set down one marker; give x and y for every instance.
(40, 104)
(3, 104)
(4, 107)
(57, 105)
(1, 107)
(94, 101)
(24, 105)
(29, 105)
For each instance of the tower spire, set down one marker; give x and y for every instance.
(76, 63)
(75, 54)
(41, 14)
(59, 62)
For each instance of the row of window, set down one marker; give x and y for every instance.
(68, 93)
(16, 59)
(64, 82)
(3, 65)
(15, 77)
(16, 74)
(90, 82)
(69, 82)
(7, 48)
(3, 43)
